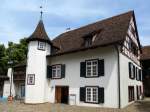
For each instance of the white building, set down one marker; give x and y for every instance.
(96, 65)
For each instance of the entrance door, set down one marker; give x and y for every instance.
(62, 94)
(22, 91)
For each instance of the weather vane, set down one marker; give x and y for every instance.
(41, 12)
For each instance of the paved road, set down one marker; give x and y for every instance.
(140, 106)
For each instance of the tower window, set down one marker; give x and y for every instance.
(41, 45)
(31, 79)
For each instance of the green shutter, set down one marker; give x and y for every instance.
(140, 75)
(62, 71)
(101, 95)
(49, 71)
(134, 72)
(82, 94)
(83, 69)
(130, 64)
(101, 68)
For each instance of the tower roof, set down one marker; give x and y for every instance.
(39, 34)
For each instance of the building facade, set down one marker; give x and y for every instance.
(145, 62)
(96, 65)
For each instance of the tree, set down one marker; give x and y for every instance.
(15, 52)
(3, 60)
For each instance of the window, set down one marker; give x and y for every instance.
(31, 79)
(91, 68)
(88, 41)
(41, 45)
(132, 47)
(137, 74)
(132, 70)
(56, 71)
(92, 94)
(131, 93)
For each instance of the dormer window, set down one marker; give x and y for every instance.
(41, 45)
(88, 41)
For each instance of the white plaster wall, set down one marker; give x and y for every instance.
(36, 64)
(74, 81)
(125, 80)
(6, 89)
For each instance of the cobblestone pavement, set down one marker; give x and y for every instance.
(140, 106)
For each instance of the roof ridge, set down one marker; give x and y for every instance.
(103, 20)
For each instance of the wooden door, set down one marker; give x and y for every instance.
(58, 94)
(64, 95)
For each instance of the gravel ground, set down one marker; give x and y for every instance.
(140, 106)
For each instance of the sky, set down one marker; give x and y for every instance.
(18, 18)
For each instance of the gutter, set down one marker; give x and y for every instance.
(118, 60)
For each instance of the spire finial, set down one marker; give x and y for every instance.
(41, 12)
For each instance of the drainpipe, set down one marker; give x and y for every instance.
(118, 60)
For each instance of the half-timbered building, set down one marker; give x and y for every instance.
(96, 65)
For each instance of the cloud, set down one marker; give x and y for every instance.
(20, 17)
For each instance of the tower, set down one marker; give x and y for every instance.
(39, 45)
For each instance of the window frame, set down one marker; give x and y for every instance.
(88, 41)
(91, 67)
(44, 45)
(91, 94)
(56, 70)
(133, 71)
(28, 79)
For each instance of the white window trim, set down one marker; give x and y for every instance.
(43, 44)
(56, 70)
(33, 79)
(91, 96)
(91, 61)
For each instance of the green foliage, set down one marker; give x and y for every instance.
(2, 59)
(15, 52)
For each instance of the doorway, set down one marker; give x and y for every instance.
(62, 94)
(22, 91)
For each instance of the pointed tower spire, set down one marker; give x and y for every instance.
(41, 12)
(40, 32)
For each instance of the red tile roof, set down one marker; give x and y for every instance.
(109, 31)
(39, 33)
(145, 53)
